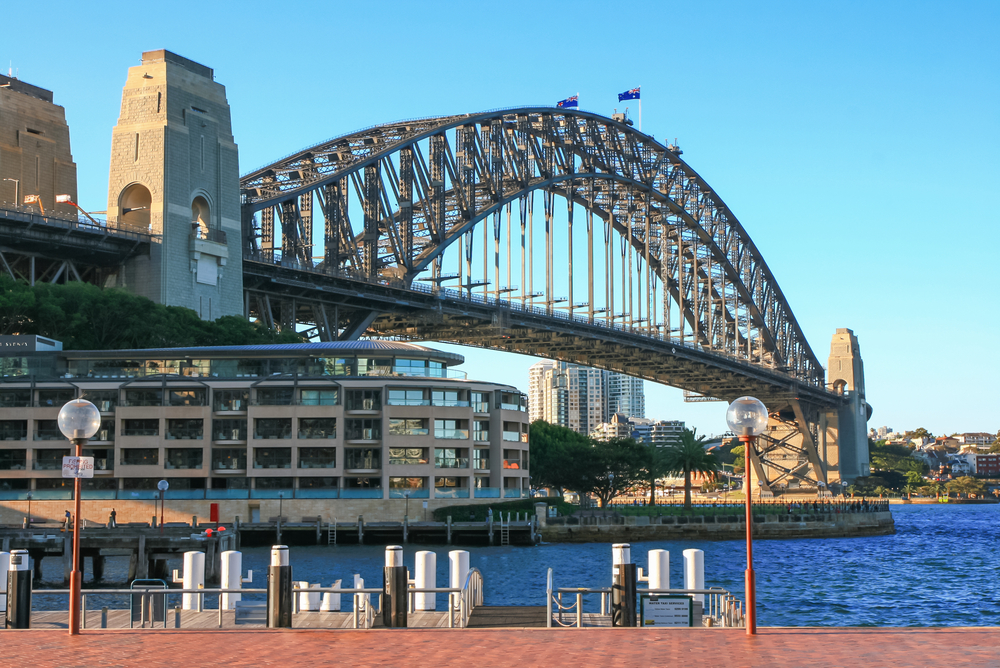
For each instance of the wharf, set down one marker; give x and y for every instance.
(314, 531)
(608, 648)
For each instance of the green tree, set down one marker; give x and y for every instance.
(914, 478)
(689, 456)
(966, 485)
(655, 466)
(560, 457)
(618, 466)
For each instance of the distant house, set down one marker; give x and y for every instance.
(976, 438)
(949, 443)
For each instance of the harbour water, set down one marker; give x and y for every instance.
(939, 569)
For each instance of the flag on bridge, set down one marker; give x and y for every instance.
(629, 95)
(569, 102)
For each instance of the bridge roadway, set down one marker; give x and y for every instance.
(430, 313)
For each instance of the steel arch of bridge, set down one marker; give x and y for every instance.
(424, 185)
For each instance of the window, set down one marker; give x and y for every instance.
(408, 427)
(13, 460)
(407, 483)
(317, 427)
(185, 397)
(139, 484)
(230, 400)
(13, 430)
(362, 458)
(273, 483)
(451, 429)
(317, 483)
(185, 429)
(448, 398)
(513, 401)
(408, 398)
(440, 482)
(143, 397)
(105, 400)
(317, 458)
(320, 397)
(407, 456)
(362, 483)
(272, 428)
(482, 482)
(451, 458)
(481, 430)
(363, 430)
(402, 367)
(374, 367)
(53, 484)
(55, 398)
(275, 396)
(106, 432)
(104, 458)
(140, 457)
(512, 459)
(183, 458)
(141, 427)
(15, 398)
(481, 458)
(481, 402)
(272, 458)
(229, 430)
(48, 430)
(104, 484)
(364, 400)
(229, 459)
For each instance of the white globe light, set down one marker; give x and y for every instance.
(79, 419)
(747, 416)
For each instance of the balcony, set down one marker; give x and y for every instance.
(185, 434)
(272, 433)
(140, 432)
(512, 436)
(481, 463)
(362, 460)
(459, 403)
(481, 435)
(456, 434)
(451, 462)
(230, 434)
(49, 435)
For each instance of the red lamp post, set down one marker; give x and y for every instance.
(747, 418)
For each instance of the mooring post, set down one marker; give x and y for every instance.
(361, 529)
(449, 530)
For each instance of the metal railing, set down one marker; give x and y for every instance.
(720, 606)
(461, 601)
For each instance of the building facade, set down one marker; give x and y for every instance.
(332, 421)
(581, 398)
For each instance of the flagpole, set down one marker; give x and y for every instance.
(640, 108)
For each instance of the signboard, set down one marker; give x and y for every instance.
(78, 467)
(660, 611)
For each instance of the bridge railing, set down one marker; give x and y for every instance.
(103, 226)
(275, 258)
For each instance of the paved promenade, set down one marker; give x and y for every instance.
(772, 648)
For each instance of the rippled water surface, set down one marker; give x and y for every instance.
(939, 569)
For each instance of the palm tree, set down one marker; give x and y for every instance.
(689, 456)
(909, 488)
(655, 468)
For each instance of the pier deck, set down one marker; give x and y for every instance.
(608, 648)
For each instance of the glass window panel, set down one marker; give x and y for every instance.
(183, 458)
(13, 430)
(146, 427)
(272, 428)
(369, 429)
(407, 456)
(272, 458)
(229, 430)
(185, 429)
(317, 458)
(317, 427)
(230, 400)
(362, 458)
(13, 460)
(231, 459)
(140, 456)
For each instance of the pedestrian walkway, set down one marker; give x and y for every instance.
(607, 648)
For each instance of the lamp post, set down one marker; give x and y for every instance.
(78, 421)
(162, 486)
(29, 510)
(406, 509)
(747, 418)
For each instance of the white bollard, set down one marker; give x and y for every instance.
(4, 566)
(659, 569)
(621, 553)
(458, 569)
(425, 578)
(194, 578)
(308, 601)
(232, 577)
(694, 572)
(393, 555)
(359, 583)
(331, 601)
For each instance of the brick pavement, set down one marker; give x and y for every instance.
(702, 648)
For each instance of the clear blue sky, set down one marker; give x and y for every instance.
(857, 142)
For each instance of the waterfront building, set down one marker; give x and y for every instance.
(349, 420)
(659, 433)
(579, 397)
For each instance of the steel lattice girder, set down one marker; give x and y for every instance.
(415, 206)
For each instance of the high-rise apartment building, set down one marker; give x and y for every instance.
(580, 397)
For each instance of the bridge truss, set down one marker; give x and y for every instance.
(551, 232)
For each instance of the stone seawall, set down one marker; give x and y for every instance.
(635, 529)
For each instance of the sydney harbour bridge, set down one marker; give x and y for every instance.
(549, 232)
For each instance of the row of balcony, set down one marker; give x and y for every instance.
(289, 493)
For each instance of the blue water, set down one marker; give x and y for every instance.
(939, 569)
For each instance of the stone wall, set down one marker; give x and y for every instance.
(634, 529)
(175, 510)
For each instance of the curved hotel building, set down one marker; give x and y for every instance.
(342, 426)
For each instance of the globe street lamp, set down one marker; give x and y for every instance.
(747, 418)
(78, 421)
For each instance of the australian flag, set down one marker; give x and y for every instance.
(569, 102)
(629, 95)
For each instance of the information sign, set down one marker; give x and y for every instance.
(78, 467)
(662, 611)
